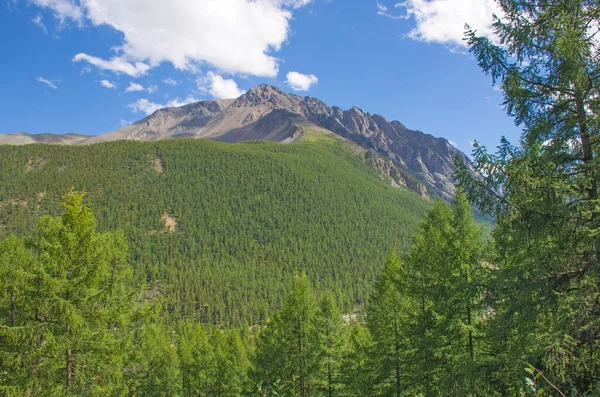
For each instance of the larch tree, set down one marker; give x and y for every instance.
(544, 193)
(285, 348)
(330, 341)
(77, 303)
(387, 315)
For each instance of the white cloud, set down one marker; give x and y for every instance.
(292, 3)
(301, 82)
(107, 84)
(170, 81)
(219, 87)
(133, 87)
(38, 20)
(453, 144)
(49, 83)
(148, 107)
(384, 11)
(443, 21)
(63, 9)
(233, 36)
(115, 64)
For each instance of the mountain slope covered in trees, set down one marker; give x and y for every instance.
(219, 229)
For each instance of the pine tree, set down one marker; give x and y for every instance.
(544, 194)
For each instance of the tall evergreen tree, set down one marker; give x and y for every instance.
(157, 368)
(387, 314)
(329, 347)
(17, 300)
(196, 359)
(74, 321)
(544, 194)
(359, 377)
(285, 348)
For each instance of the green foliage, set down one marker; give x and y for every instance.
(330, 341)
(544, 195)
(156, 371)
(248, 216)
(285, 349)
(388, 313)
(68, 303)
(423, 316)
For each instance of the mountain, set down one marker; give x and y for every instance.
(426, 163)
(218, 229)
(22, 138)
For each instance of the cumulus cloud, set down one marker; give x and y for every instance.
(443, 21)
(115, 64)
(133, 87)
(148, 107)
(219, 87)
(107, 84)
(301, 82)
(233, 36)
(49, 83)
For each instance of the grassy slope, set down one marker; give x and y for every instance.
(248, 215)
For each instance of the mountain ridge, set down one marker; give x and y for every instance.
(266, 112)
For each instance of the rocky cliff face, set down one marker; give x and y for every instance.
(420, 161)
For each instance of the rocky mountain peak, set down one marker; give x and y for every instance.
(267, 95)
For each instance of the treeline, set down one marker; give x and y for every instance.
(218, 229)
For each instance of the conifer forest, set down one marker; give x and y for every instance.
(188, 267)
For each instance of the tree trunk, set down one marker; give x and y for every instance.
(330, 389)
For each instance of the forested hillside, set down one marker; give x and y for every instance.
(229, 270)
(219, 229)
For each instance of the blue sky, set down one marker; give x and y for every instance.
(90, 66)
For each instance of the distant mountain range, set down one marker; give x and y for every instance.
(426, 163)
